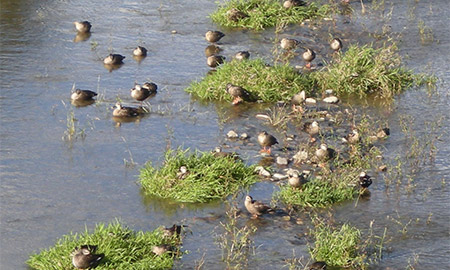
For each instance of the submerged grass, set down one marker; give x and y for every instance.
(364, 70)
(208, 176)
(261, 14)
(122, 249)
(263, 82)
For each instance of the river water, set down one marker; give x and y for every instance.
(51, 186)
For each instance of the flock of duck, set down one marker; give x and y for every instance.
(84, 257)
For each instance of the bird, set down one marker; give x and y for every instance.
(217, 152)
(140, 51)
(212, 50)
(293, 3)
(215, 60)
(295, 179)
(83, 257)
(324, 153)
(364, 180)
(256, 208)
(242, 55)
(266, 141)
(121, 111)
(83, 27)
(161, 249)
(238, 93)
(312, 128)
(318, 266)
(288, 43)
(214, 36)
(83, 95)
(174, 230)
(151, 87)
(114, 59)
(298, 100)
(336, 44)
(182, 172)
(308, 56)
(139, 93)
(383, 133)
(353, 137)
(235, 15)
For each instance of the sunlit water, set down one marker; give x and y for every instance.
(50, 187)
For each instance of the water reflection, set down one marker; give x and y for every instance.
(80, 37)
(81, 103)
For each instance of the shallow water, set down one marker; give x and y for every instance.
(50, 187)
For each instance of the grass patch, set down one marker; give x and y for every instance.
(263, 82)
(122, 247)
(261, 14)
(317, 193)
(364, 70)
(338, 247)
(207, 178)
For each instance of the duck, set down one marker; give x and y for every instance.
(83, 27)
(242, 55)
(214, 60)
(295, 179)
(353, 137)
(83, 257)
(238, 93)
(151, 87)
(266, 141)
(83, 95)
(383, 133)
(293, 3)
(297, 101)
(212, 50)
(336, 44)
(139, 93)
(114, 59)
(289, 44)
(318, 266)
(308, 56)
(121, 111)
(256, 208)
(324, 153)
(183, 172)
(140, 51)
(174, 230)
(364, 180)
(213, 36)
(161, 249)
(217, 152)
(235, 15)
(312, 129)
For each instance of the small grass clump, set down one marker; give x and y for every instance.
(123, 249)
(338, 247)
(207, 176)
(364, 70)
(317, 193)
(261, 14)
(263, 82)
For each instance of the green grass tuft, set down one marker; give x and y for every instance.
(338, 247)
(317, 193)
(122, 247)
(365, 70)
(208, 178)
(263, 82)
(262, 14)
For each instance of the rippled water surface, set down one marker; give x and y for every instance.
(50, 187)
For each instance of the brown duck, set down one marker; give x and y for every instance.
(83, 257)
(214, 36)
(336, 44)
(83, 27)
(215, 60)
(266, 141)
(121, 111)
(140, 51)
(289, 44)
(114, 59)
(242, 55)
(308, 56)
(83, 95)
(238, 93)
(256, 208)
